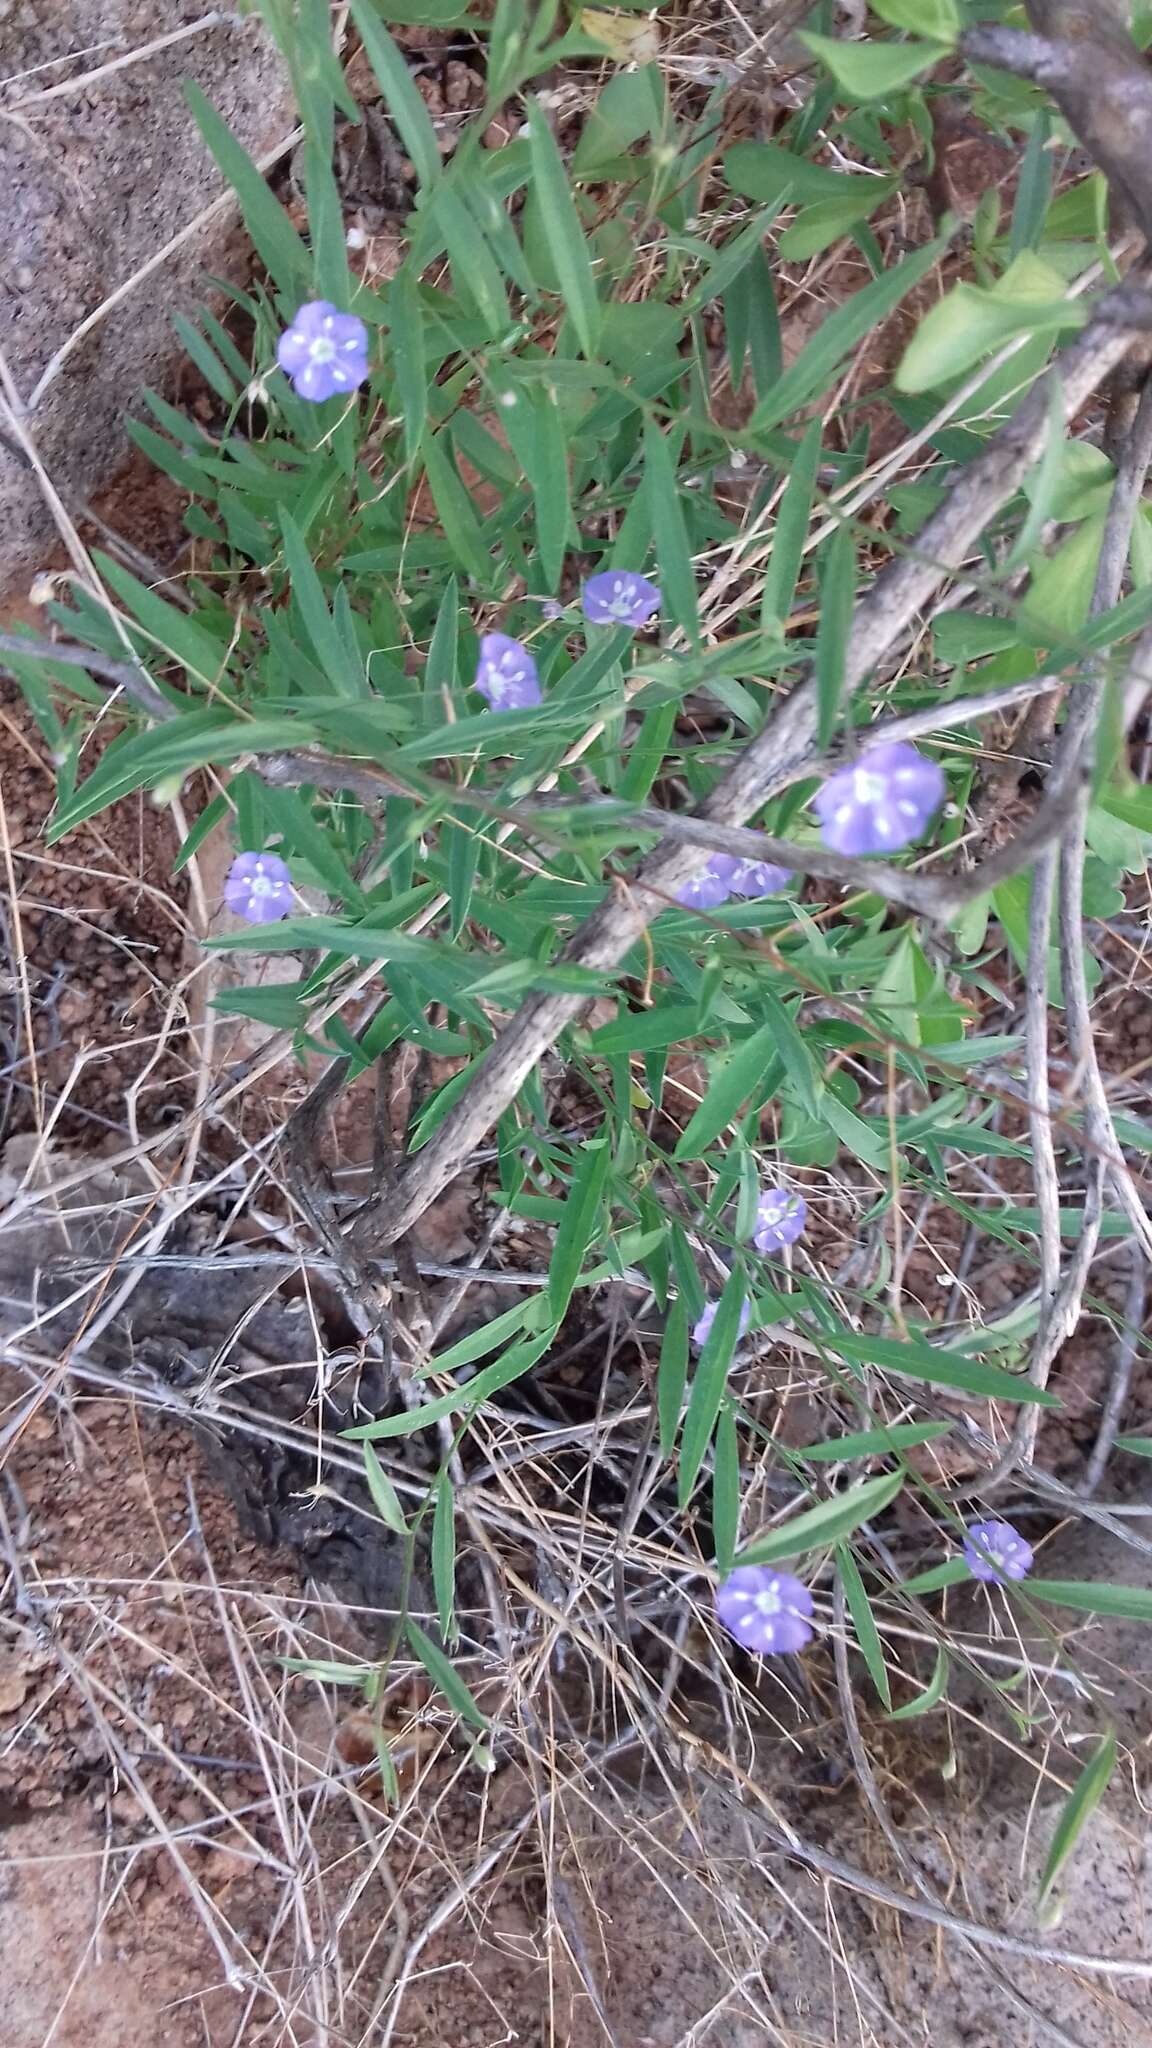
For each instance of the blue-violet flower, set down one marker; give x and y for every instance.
(703, 1329)
(767, 1611)
(618, 598)
(712, 886)
(759, 878)
(882, 802)
(507, 674)
(324, 352)
(258, 887)
(996, 1551)
(780, 1219)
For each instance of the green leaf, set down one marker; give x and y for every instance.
(454, 504)
(548, 476)
(955, 1572)
(939, 19)
(869, 71)
(346, 677)
(174, 632)
(969, 322)
(561, 222)
(1140, 1446)
(872, 1443)
(826, 1523)
(175, 749)
(579, 1223)
(677, 575)
(1079, 1807)
(444, 1556)
(708, 1384)
(731, 1085)
(837, 591)
(1095, 1596)
(466, 1399)
(837, 335)
(823, 223)
(385, 1498)
(790, 531)
(406, 328)
(725, 1489)
(444, 1675)
(863, 1621)
(930, 1697)
(941, 1368)
(411, 116)
(672, 1373)
(766, 171)
(274, 238)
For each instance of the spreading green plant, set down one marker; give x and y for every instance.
(488, 595)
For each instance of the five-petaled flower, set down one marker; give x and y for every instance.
(506, 674)
(996, 1551)
(882, 802)
(712, 886)
(780, 1219)
(324, 352)
(617, 597)
(767, 1611)
(703, 1329)
(258, 887)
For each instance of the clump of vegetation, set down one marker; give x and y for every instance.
(688, 615)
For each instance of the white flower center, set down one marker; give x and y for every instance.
(322, 349)
(868, 789)
(263, 885)
(769, 1602)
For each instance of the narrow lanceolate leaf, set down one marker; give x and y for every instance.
(677, 575)
(406, 329)
(837, 587)
(725, 1489)
(940, 1368)
(275, 239)
(413, 121)
(566, 244)
(870, 1443)
(672, 1373)
(444, 1675)
(1080, 1805)
(790, 531)
(1140, 1446)
(730, 1087)
(931, 1696)
(444, 1556)
(863, 1621)
(385, 1498)
(462, 1400)
(1095, 1596)
(578, 1224)
(842, 331)
(708, 1384)
(548, 476)
(826, 1523)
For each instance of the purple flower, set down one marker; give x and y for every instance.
(324, 351)
(882, 802)
(759, 878)
(996, 1551)
(780, 1219)
(767, 1611)
(712, 886)
(258, 887)
(618, 598)
(703, 1329)
(506, 674)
